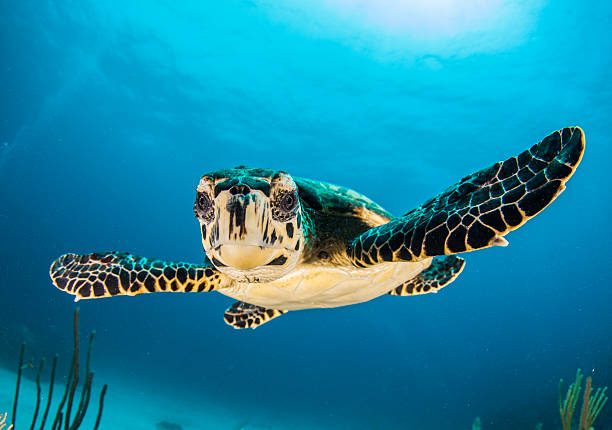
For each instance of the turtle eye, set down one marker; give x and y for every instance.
(204, 207)
(288, 202)
(204, 202)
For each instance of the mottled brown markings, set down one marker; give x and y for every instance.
(535, 201)
(278, 261)
(127, 274)
(417, 240)
(112, 285)
(523, 159)
(217, 263)
(479, 235)
(61, 283)
(244, 315)
(265, 233)
(385, 253)
(525, 174)
(494, 219)
(435, 240)
(289, 228)
(396, 241)
(85, 291)
(403, 254)
(489, 205)
(98, 289)
(509, 168)
(236, 207)
(511, 183)
(439, 274)
(485, 205)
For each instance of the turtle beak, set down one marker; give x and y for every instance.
(245, 257)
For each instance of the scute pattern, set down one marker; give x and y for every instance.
(335, 199)
(476, 212)
(440, 273)
(245, 315)
(92, 276)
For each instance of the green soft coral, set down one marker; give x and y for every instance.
(592, 404)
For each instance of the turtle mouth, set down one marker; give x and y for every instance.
(243, 256)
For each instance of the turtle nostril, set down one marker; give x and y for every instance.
(239, 189)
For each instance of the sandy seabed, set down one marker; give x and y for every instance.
(129, 407)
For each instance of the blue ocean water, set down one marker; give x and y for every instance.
(110, 112)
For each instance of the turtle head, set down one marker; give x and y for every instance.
(251, 222)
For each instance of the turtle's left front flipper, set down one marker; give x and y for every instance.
(92, 276)
(479, 210)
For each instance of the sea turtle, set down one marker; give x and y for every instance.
(277, 243)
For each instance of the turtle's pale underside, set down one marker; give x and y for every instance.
(277, 243)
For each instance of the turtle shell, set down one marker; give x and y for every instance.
(337, 200)
(333, 217)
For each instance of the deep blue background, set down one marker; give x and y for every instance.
(110, 113)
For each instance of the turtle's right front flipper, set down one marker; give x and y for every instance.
(91, 276)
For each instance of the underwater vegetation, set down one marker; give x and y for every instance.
(63, 415)
(592, 403)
